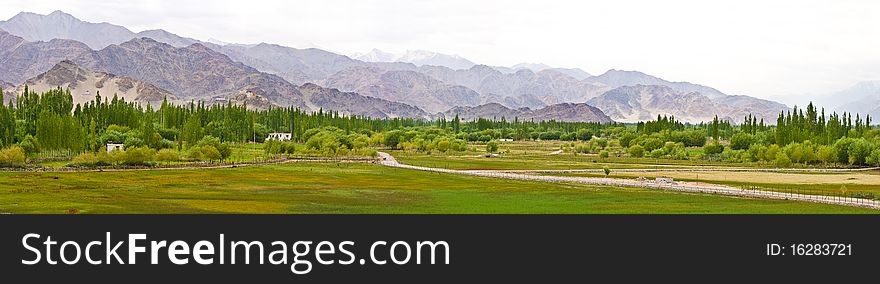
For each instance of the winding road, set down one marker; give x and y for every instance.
(693, 187)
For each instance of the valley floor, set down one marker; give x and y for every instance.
(347, 188)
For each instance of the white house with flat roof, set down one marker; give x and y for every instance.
(277, 136)
(114, 146)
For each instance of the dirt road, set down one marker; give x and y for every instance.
(694, 187)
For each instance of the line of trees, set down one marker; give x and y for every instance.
(50, 122)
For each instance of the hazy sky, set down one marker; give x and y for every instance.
(789, 51)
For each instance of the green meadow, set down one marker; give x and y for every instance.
(348, 188)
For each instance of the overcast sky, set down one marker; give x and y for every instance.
(789, 51)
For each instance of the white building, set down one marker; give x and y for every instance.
(279, 136)
(114, 146)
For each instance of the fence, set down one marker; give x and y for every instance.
(857, 199)
(753, 192)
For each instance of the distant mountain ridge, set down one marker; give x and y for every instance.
(560, 112)
(408, 87)
(645, 102)
(268, 74)
(417, 58)
(618, 78)
(60, 25)
(194, 72)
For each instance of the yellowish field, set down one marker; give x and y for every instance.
(861, 178)
(844, 184)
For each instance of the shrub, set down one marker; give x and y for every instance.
(209, 141)
(601, 143)
(90, 159)
(770, 155)
(209, 153)
(713, 149)
(657, 153)
(584, 134)
(391, 139)
(138, 156)
(133, 142)
(443, 145)
(741, 141)
(492, 147)
(782, 160)
(29, 144)
(226, 151)
(286, 148)
(636, 151)
(87, 158)
(14, 155)
(458, 145)
(826, 154)
(651, 143)
(859, 151)
(603, 154)
(167, 155)
(756, 152)
(627, 138)
(550, 135)
(359, 141)
(112, 136)
(272, 147)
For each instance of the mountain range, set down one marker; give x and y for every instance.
(413, 84)
(417, 58)
(559, 112)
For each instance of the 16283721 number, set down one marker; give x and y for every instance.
(816, 249)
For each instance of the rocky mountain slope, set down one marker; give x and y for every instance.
(85, 84)
(645, 102)
(198, 72)
(60, 25)
(296, 65)
(524, 86)
(353, 103)
(191, 72)
(408, 87)
(166, 37)
(618, 78)
(21, 59)
(561, 112)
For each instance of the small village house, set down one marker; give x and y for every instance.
(279, 136)
(114, 146)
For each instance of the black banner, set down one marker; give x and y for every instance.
(485, 248)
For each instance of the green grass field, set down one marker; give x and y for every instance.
(348, 188)
(476, 160)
